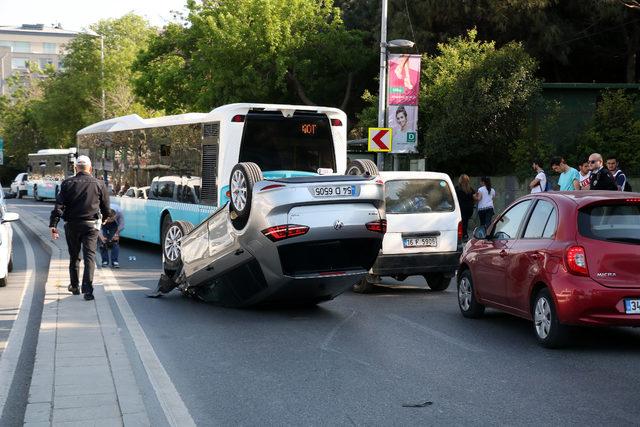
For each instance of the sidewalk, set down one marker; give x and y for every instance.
(82, 375)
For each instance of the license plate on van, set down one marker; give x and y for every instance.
(420, 242)
(334, 191)
(632, 306)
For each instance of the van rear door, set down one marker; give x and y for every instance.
(421, 216)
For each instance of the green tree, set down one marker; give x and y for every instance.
(615, 129)
(475, 99)
(72, 96)
(252, 51)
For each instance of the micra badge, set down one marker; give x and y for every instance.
(605, 275)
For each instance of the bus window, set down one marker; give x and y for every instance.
(301, 143)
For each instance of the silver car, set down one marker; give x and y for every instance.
(301, 240)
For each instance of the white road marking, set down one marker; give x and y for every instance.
(174, 408)
(436, 334)
(11, 354)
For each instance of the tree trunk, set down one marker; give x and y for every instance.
(298, 87)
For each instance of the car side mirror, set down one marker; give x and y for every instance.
(480, 233)
(10, 216)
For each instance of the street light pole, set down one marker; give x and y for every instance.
(104, 104)
(382, 91)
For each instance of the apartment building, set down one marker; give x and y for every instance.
(30, 43)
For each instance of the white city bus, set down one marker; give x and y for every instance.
(47, 169)
(187, 159)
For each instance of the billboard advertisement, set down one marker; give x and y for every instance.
(402, 101)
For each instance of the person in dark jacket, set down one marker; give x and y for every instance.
(465, 194)
(81, 203)
(600, 178)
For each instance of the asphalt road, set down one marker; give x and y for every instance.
(369, 359)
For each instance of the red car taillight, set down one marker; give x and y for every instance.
(460, 231)
(336, 122)
(281, 232)
(577, 261)
(379, 226)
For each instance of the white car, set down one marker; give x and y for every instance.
(6, 239)
(424, 230)
(19, 185)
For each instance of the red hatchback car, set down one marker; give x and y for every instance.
(557, 258)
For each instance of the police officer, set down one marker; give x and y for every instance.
(81, 200)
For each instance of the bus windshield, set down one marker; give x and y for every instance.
(302, 142)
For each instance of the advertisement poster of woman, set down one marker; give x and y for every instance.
(403, 119)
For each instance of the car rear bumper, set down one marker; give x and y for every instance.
(582, 301)
(412, 264)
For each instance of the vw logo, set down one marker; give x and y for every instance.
(338, 224)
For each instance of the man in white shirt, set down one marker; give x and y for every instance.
(585, 173)
(539, 183)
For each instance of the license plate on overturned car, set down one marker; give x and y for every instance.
(632, 306)
(335, 191)
(419, 242)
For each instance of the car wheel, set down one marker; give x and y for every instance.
(3, 282)
(469, 306)
(437, 281)
(548, 329)
(366, 284)
(243, 177)
(362, 167)
(171, 240)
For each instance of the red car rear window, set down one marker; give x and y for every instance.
(612, 222)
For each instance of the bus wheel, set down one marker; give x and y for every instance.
(243, 177)
(362, 167)
(171, 239)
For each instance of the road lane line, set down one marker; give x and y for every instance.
(174, 408)
(436, 334)
(11, 354)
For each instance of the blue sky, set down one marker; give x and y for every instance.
(76, 14)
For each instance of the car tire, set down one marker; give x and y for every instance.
(243, 177)
(171, 238)
(469, 306)
(365, 285)
(363, 167)
(548, 330)
(3, 282)
(437, 281)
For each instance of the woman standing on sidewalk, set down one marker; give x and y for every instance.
(466, 197)
(485, 196)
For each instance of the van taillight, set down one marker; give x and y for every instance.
(336, 122)
(238, 118)
(460, 231)
(379, 226)
(281, 232)
(577, 261)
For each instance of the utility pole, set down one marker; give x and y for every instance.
(382, 91)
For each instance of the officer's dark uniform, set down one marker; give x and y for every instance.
(601, 180)
(80, 199)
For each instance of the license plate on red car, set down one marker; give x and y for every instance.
(632, 306)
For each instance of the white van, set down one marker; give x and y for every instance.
(424, 230)
(19, 185)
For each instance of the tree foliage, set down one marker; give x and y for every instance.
(615, 129)
(252, 51)
(474, 102)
